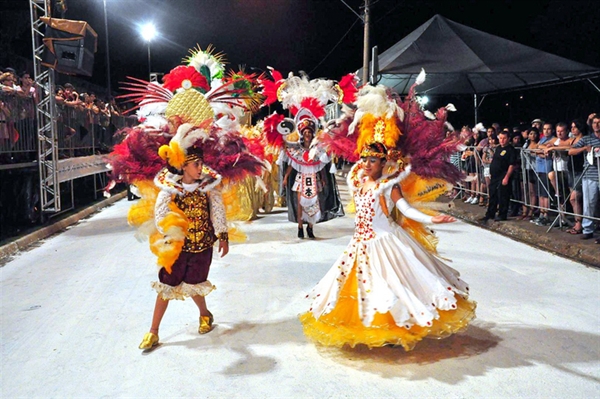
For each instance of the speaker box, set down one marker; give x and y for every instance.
(69, 46)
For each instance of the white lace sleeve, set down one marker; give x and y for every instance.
(161, 208)
(217, 214)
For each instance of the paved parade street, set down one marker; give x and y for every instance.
(76, 306)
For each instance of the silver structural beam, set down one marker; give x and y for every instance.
(46, 112)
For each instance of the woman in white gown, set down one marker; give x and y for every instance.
(386, 288)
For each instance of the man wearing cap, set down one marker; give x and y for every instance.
(543, 165)
(537, 123)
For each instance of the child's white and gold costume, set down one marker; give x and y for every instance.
(202, 205)
(389, 286)
(193, 117)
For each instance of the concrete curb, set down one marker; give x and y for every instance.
(22, 243)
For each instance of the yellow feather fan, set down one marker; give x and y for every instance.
(168, 247)
(141, 212)
(417, 189)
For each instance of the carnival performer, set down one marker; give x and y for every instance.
(192, 190)
(184, 160)
(390, 287)
(308, 180)
(312, 195)
(257, 193)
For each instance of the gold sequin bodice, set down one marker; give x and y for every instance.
(201, 234)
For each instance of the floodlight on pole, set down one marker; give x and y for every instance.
(148, 32)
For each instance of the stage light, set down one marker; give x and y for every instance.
(148, 31)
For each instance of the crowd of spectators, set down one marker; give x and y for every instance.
(17, 105)
(551, 178)
(77, 113)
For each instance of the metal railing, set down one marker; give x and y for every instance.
(528, 185)
(79, 133)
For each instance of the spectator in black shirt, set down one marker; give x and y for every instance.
(501, 169)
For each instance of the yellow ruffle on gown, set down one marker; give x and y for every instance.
(342, 326)
(388, 287)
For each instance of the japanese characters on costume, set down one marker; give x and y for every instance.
(194, 114)
(311, 184)
(390, 286)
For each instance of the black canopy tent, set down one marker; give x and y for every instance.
(462, 60)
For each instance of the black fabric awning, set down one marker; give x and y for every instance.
(462, 60)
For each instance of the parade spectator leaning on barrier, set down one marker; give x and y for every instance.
(486, 160)
(8, 83)
(558, 176)
(481, 146)
(59, 96)
(501, 169)
(575, 175)
(543, 165)
(27, 87)
(530, 185)
(525, 133)
(470, 167)
(590, 146)
(71, 96)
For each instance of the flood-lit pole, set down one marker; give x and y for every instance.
(148, 32)
(107, 51)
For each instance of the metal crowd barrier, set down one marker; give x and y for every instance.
(527, 184)
(81, 132)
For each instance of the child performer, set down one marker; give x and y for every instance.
(387, 287)
(192, 191)
(187, 150)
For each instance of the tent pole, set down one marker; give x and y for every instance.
(366, 46)
(475, 107)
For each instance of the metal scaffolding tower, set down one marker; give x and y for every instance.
(46, 113)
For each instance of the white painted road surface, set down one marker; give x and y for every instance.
(75, 308)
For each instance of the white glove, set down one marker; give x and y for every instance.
(412, 213)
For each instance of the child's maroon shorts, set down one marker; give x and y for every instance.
(190, 268)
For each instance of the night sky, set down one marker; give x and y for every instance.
(322, 37)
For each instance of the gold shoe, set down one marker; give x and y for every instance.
(150, 340)
(206, 323)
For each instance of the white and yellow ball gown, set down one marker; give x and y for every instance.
(388, 287)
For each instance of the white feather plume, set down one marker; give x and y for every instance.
(187, 135)
(298, 88)
(376, 101)
(421, 77)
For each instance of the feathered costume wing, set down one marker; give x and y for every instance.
(427, 141)
(199, 104)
